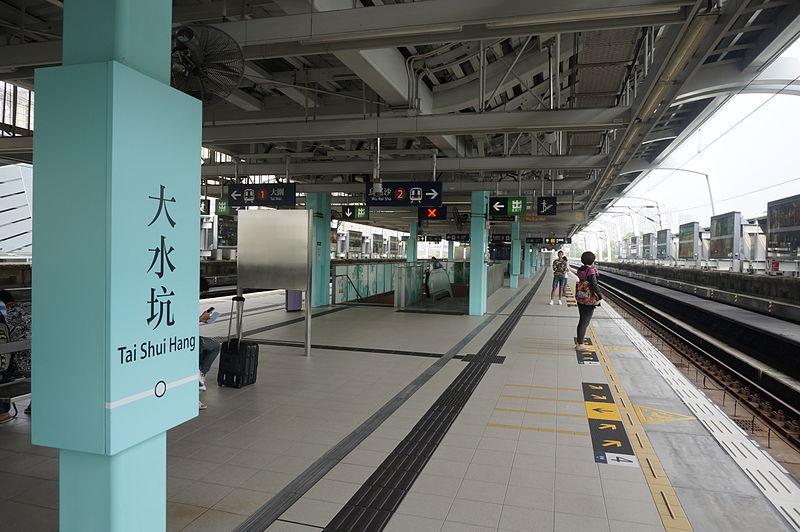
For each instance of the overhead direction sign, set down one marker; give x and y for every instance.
(433, 213)
(546, 206)
(262, 195)
(501, 238)
(534, 240)
(504, 209)
(457, 237)
(355, 212)
(429, 238)
(405, 194)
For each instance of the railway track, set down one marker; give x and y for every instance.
(758, 400)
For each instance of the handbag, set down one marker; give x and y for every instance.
(583, 292)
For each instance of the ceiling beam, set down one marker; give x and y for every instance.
(448, 124)
(259, 76)
(383, 70)
(445, 21)
(245, 101)
(391, 166)
(772, 42)
(31, 54)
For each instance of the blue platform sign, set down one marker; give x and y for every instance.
(405, 194)
(263, 195)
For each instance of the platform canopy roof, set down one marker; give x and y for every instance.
(576, 98)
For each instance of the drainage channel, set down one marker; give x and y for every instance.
(373, 505)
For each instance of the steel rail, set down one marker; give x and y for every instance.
(777, 414)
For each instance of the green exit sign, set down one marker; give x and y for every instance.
(355, 212)
(517, 206)
(222, 207)
(501, 208)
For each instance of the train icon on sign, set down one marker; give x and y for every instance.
(415, 195)
(249, 195)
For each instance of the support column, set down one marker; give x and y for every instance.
(451, 249)
(515, 250)
(479, 242)
(411, 245)
(122, 369)
(526, 257)
(320, 203)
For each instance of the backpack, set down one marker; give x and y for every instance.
(583, 292)
(560, 268)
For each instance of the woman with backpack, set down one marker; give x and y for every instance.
(587, 295)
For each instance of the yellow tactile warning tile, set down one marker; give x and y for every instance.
(669, 507)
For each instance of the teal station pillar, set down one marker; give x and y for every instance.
(411, 245)
(320, 203)
(479, 242)
(451, 250)
(115, 342)
(515, 257)
(526, 257)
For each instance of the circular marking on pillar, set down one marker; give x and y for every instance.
(160, 389)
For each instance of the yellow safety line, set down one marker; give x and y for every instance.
(545, 340)
(543, 354)
(669, 507)
(535, 412)
(545, 387)
(538, 429)
(546, 347)
(541, 399)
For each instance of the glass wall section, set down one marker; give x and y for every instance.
(16, 110)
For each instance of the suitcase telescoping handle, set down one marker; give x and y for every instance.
(238, 302)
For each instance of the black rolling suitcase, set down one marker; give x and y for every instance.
(238, 360)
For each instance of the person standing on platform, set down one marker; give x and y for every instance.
(209, 348)
(560, 266)
(587, 295)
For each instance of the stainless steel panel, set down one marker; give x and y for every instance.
(274, 249)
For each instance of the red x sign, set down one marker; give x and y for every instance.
(433, 213)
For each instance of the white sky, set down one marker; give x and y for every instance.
(751, 160)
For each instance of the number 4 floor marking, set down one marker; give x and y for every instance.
(669, 507)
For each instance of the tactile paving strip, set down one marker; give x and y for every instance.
(376, 501)
(769, 476)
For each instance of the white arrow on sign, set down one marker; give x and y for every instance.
(348, 212)
(497, 206)
(433, 194)
(236, 195)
